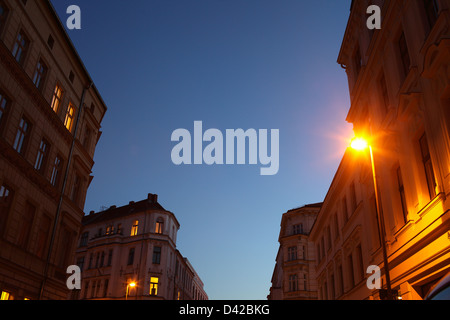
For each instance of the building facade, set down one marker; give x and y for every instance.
(293, 277)
(399, 85)
(130, 253)
(50, 117)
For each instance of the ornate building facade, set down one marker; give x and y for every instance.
(293, 277)
(50, 120)
(130, 252)
(399, 81)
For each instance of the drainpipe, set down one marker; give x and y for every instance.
(58, 210)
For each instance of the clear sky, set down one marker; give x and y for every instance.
(160, 65)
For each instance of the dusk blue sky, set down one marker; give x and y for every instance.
(160, 65)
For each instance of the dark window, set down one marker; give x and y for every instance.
(6, 197)
(26, 224)
(3, 15)
(42, 155)
(56, 170)
(84, 239)
(432, 11)
(22, 136)
(131, 257)
(297, 229)
(384, 93)
(428, 166)
(353, 202)
(401, 190)
(42, 237)
(351, 275)
(4, 103)
(157, 255)
(20, 47)
(357, 62)
(50, 41)
(404, 54)
(39, 74)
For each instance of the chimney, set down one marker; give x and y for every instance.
(113, 207)
(152, 197)
(131, 203)
(92, 212)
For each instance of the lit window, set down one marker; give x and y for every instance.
(134, 228)
(154, 281)
(68, 122)
(159, 226)
(21, 136)
(57, 96)
(39, 74)
(20, 47)
(5, 296)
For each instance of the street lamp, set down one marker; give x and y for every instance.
(132, 285)
(360, 144)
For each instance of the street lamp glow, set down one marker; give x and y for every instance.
(359, 144)
(132, 284)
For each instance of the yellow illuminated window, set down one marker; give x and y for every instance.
(154, 286)
(134, 228)
(68, 122)
(5, 295)
(159, 226)
(57, 96)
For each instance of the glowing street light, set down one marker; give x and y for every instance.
(132, 285)
(360, 144)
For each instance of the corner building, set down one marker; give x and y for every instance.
(294, 274)
(399, 85)
(130, 252)
(48, 107)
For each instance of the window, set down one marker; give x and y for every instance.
(6, 197)
(105, 288)
(156, 255)
(22, 136)
(404, 54)
(134, 228)
(428, 166)
(71, 76)
(432, 11)
(329, 237)
(336, 225)
(131, 257)
(57, 96)
(340, 275)
(292, 253)
(293, 282)
(42, 155)
(80, 263)
(84, 239)
(26, 224)
(3, 14)
(297, 228)
(50, 41)
(384, 93)
(357, 61)
(159, 226)
(154, 281)
(351, 275)
(359, 256)
(76, 189)
(87, 138)
(353, 201)
(401, 191)
(3, 108)
(68, 122)
(6, 296)
(344, 209)
(20, 47)
(42, 236)
(57, 167)
(110, 255)
(39, 74)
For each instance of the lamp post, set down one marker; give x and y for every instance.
(132, 285)
(360, 144)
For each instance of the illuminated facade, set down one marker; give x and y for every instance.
(293, 277)
(130, 252)
(43, 83)
(399, 85)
